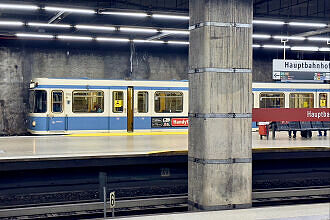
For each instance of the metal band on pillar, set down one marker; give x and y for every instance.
(219, 24)
(219, 70)
(219, 161)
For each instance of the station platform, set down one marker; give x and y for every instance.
(25, 148)
(293, 212)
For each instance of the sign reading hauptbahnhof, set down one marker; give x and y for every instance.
(301, 70)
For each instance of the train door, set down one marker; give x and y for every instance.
(118, 115)
(57, 119)
(130, 106)
(142, 116)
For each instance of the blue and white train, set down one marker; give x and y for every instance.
(66, 106)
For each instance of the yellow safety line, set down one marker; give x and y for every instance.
(167, 151)
(290, 147)
(126, 134)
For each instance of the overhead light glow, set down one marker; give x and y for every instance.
(145, 30)
(324, 49)
(112, 39)
(274, 46)
(182, 17)
(319, 38)
(67, 37)
(11, 23)
(46, 36)
(261, 36)
(91, 27)
(289, 37)
(268, 22)
(148, 41)
(305, 48)
(19, 7)
(178, 42)
(133, 14)
(307, 24)
(35, 24)
(71, 10)
(256, 45)
(175, 32)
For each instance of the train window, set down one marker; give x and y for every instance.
(118, 101)
(38, 101)
(57, 101)
(168, 102)
(88, 101)
(142, 102)
(301, 100)
(323, 100)
(272, 100)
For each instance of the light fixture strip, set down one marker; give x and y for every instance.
(71, 10)
(148, 41)
(305, 48)
(36, 24)
(275, 46)
(26, 35)
(319, 38)
(11, 23)
(67, 37)
(167, 16)
(289, 37)
(304, 24)
(19, 7)
(268, 22)
(178, 42)
(175, 32)
(261, 36)
(112, 39)
(145, 30)
(132, 14)
(94, 27)
(324, 49)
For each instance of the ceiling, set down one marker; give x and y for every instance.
(315, 11)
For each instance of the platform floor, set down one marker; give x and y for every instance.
(292, 212)
(52, 147)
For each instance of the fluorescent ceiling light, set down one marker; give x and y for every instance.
(268, 22)
(324, 49)
(35, 24)
(178, 42)
(261, 36)
(275, 46)
(71, 10)
(148, 41)
(305, 48)
(11, 23)
(319, 38)
(256, 45)
(47, 36)
(183, 17)
(67, 37)
(133, 14)
(307, 24)
(175, 32)
(91, 27)
(146, 30)
(289, 38)
(112, 39)
(19, 7)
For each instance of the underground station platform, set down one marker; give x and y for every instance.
(54, 175)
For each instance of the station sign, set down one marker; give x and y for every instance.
(301, 70)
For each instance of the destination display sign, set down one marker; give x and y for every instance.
(301, 70)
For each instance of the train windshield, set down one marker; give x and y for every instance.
(38, 101)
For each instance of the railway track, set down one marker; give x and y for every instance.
(158, 204)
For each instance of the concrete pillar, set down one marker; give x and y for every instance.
(220, 104)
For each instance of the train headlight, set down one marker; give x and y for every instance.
(34, 123)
